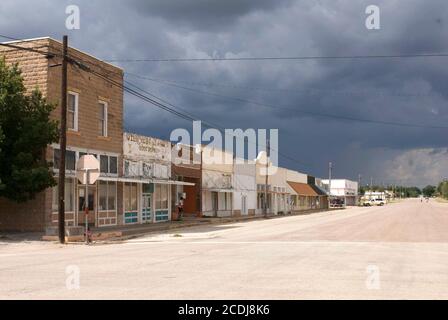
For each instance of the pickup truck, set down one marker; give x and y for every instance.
(374, 202)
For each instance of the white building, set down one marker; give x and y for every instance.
(343, 189)
(244, 188)
(278, 196)
(217, 184)
(147, 169)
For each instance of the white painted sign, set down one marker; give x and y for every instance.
(136, 147)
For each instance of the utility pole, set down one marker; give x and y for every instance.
(268, 152)
(359, 187)
(371, 184)
(63, 142)
(200, 186)
(330, 167)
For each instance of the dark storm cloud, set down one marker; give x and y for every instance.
(204, 14)
(392, 90)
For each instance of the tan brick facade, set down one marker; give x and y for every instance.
(43, 73)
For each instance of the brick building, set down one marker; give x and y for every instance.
(186, 167)
(95, 126)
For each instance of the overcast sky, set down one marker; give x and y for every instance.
(392, 90)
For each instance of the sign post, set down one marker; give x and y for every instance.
(87, 172)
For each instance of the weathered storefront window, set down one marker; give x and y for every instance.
(107, 195)
(130, 203)
(162, 205)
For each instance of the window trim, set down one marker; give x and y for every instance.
(75, 121)
(106, 117)
(107, 183)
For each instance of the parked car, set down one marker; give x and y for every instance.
(337, 203)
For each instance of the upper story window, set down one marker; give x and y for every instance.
(72, 111)
(70, 159)
(108, 164)
(102, 119)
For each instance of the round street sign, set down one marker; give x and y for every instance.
(92, 165)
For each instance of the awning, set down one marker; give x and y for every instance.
(173, 182)
(218, 190)
(303, 189)
(145, 180)
(318, 190)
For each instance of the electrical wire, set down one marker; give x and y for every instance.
(347, 57)
(310, 113)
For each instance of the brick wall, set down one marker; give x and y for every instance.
(38, 73)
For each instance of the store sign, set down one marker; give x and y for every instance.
(138, 147)
(213, 179)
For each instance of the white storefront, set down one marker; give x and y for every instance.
(343, 189)
(245, 188)
(147, 169)
(217, 191)
(278, 196)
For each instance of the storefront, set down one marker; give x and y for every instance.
(148, 189)
(184, 169)
(102, 196)
(245, 188)
(217, 189)
(146, 202)
(343, 190)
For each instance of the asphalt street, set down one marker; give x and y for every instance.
(399, 251)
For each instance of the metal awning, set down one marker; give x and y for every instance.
(145, 180)
(124, 179)
(218, 190)
(138, 180)
(173, 182)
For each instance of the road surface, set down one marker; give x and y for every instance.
(399, 251)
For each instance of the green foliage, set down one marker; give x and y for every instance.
(404, 192)
(429, 191)
(27, 130)
(442, 189)
(2, 186)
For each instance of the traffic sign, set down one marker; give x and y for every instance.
(90, 164)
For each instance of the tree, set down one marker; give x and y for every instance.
(443, 189)
(1, 139)
(27, 131)
(429, 191)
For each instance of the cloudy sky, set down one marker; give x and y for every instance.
(294, 96)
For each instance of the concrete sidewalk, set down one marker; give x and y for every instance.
(118, 233)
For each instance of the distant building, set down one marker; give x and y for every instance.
(343, 189)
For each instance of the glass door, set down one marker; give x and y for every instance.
(146, 208)
(90, 205)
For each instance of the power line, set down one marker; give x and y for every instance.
(347, 57)
(184, 116)
(311, 113)
(48, 54)
(310, 91)
(10, 38)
